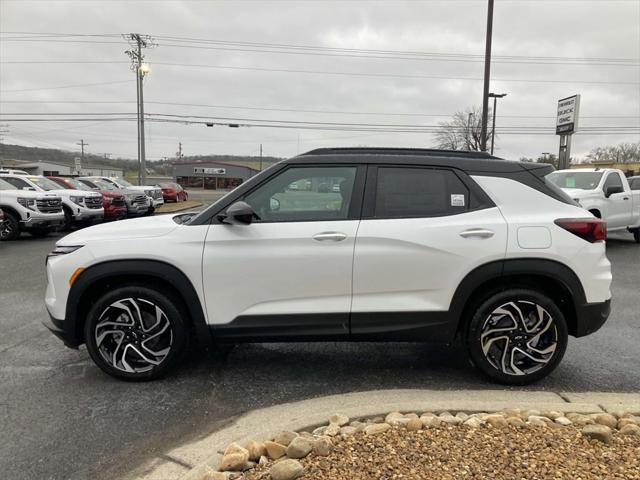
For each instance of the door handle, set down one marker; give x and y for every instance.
(626, 198)
(477, 233)
(329, 236)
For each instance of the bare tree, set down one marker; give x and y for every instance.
(463, 131)
(622, 153)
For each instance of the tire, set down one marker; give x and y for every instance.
(68, 220)
(39, 232)
(10, 228)
(135, 361)
(525, 322)
(636, 234)
(150, 212)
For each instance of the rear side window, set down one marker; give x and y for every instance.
(419, 192)
(18, 183)
(634, 183)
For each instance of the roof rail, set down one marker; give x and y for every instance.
(399, 151)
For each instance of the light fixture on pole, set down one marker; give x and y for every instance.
(495, 97)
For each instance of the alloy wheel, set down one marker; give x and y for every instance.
(133, 335)
(6, 229)
(519, 338)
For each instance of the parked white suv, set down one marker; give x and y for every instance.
(81, 208)
(606, 193)
(28, 211)
(417, 245)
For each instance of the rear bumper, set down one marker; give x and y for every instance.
(591, 317)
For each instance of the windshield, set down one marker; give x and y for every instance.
(581, 180)
(6, 185)
(44, 183)
(104, 185)
(77, 184)
(122, 182)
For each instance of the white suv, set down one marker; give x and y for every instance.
(80, 208)
(415, 245)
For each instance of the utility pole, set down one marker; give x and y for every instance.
(495, 97)
(260, 157)
(179, 152)
(4, 129)
(82, 145)
(487, 74)
(138, 42)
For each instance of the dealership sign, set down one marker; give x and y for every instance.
(567, 120)
(210, 171)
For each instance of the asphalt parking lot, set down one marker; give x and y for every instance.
(62, 418)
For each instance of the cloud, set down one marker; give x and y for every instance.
(594, 29)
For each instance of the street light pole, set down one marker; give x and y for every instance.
(495, 97)
(487, 74)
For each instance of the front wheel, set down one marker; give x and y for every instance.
(517, 336)
(10, 227)
(636, 234)
(135, 333)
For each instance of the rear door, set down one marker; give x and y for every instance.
(289, 272)
(422, 231)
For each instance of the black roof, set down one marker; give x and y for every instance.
(433, 152)
(471, 162)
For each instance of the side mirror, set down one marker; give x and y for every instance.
(238, 213)
(613, 189)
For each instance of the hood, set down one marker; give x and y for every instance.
(68, 192)
(145, 227)
(31, 194)
(580, 193)
(112, 193)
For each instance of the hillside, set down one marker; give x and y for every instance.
(160, 167)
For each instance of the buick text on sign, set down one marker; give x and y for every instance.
(567, 119)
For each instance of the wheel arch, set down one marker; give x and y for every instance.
(549, 277)
(95, 279)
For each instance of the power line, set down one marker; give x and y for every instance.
(295, 110)
(262, 47)
(64, 86)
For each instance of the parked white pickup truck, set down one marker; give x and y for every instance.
(605, 192)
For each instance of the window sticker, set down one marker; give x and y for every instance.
(457, 200)
(571, 182)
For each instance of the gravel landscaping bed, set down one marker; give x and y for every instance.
(507, 445)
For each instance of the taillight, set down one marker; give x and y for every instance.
(589, 229)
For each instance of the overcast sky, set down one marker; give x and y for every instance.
(402, 91)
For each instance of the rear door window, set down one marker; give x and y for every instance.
(408, 192)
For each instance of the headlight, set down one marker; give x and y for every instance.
(77, 200)
(62, 250)
(27, 203)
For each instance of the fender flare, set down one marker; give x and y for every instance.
(146, 268)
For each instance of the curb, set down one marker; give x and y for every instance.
(191, 461)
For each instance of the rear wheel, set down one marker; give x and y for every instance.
(136, 333)
(517, 336)
(636, 234)
(10, 227)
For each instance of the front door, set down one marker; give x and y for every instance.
(289, 272)
(618, 206)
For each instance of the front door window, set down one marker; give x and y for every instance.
(305, 194)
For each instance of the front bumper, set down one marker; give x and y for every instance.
(52, 221)
(89, 216)
(63, 330)
(591, 316)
